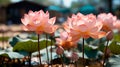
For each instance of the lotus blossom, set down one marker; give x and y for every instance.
(117, 24)
(39, 22)
(84, 26)
(72, 21)
(65, 41)
(108, 21)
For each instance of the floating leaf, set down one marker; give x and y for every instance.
(89, 40)
(116, 37)
(101, 47)
(30, 45)
(113, 61)
(115, 47)
(91, 53)
(4, 38)
(14, 40)
(12, 55)
(4, 55)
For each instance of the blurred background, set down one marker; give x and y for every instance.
(11, 11)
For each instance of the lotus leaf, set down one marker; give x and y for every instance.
(115, 47)
(30, 45)
(113, 61)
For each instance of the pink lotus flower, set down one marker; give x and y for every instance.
(117, 25)
(108, 21)
(65, 41)
(39, 22)
(84, 26)
(72, 21)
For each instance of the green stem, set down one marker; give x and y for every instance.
(47, 49)
(39, 50)
(104, 58)
(83, 53)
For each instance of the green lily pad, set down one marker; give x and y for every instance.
(115, 47)
(4, 55)
(14, 40)
(30, 45)
(91, 53)
(113, 61)
(116, 37)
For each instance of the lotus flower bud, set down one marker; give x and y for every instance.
(59, 50)
(109, 35)
(74, 56)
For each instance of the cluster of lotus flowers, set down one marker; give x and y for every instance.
(75, 27)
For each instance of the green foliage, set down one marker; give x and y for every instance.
(115, 47)
(4, 38)
(4, 55)
(86, 47)
(114, 61)
(116, 37)
(34, 37)
(4, 2)
(14, 40)
(91, 53)
(30, 46)
(101, 47)
(89, 40)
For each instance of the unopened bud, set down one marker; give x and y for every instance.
(109, 35)
(59, 50)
